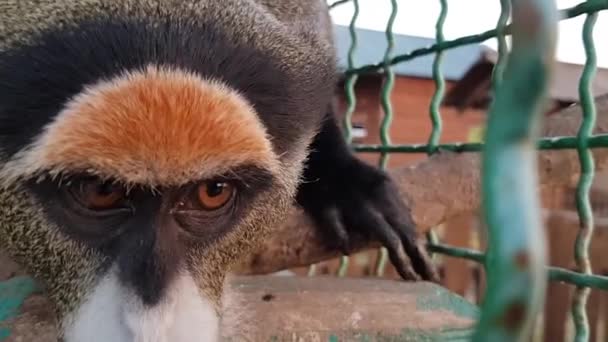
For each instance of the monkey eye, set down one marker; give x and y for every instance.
(212, 195)
(207, 208)
(98, 195)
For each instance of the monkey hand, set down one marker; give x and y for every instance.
(355, 197)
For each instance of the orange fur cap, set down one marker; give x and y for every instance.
(155, 126)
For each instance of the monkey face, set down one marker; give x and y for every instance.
(141, 193)
(145, 146)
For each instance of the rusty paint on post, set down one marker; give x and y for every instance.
(516, 254)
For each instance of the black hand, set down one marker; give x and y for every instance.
(343, 195)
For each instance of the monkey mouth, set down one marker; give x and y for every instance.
(113, 312)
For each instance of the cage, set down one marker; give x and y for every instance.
(505, 160)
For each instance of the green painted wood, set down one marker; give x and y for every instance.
(13, 293)
(303, 308)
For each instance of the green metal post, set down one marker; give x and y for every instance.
(516, 255)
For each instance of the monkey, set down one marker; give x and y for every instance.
(146, 145)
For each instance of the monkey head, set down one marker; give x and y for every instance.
(143, 154)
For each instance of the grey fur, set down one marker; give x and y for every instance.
(68, 269)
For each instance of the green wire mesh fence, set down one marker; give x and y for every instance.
(508, 157)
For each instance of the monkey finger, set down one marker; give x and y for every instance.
(420, 259)
(370, 219)
(396, 213)
(328, 220)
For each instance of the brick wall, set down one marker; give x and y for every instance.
(411, 121)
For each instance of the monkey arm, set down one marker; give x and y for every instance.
(343, 195)
(454, 190)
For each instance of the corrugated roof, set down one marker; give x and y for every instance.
(371, 46)
(474, 89)
(564, 84)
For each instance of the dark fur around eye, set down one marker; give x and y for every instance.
(206, 224)
(100, 228)
(60, 200)
(78, 195)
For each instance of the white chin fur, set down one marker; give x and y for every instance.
(113, 313)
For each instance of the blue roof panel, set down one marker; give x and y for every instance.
(372, 44)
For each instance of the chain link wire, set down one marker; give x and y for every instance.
(584, 279)
(387, 109)
(583, 204)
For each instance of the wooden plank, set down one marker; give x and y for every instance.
(316, 309)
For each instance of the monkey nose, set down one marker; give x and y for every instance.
(149, 260)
